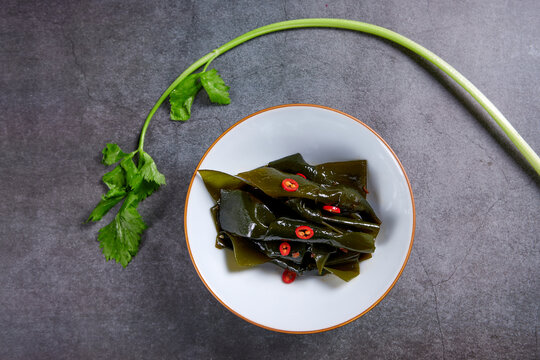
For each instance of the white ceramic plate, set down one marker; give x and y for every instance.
(310, 303)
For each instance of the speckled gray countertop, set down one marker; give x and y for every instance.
(76, 75)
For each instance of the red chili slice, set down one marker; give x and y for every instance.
(284, 248)
(302, 175)
(365, 190)
(344, 250)
(295, 254)
(304, 232)
(289, 185)
(288, 276)
(332, 209)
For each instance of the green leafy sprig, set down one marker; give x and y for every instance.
(182, 97)
(132, 183)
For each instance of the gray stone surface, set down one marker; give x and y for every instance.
(75, 75)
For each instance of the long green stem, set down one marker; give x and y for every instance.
(499, 118)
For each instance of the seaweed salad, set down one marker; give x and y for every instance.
(304, 218)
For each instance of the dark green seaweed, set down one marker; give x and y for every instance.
(254, 215)
(242, 214)
(284, 228)
(291, 266)
(215, 181)
(345, 271)
(246, 252)
(269, 181)
(271, 249)
(310, 213)
(350, 173)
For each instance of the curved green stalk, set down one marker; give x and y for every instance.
(499, 118)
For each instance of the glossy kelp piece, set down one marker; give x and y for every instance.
(215, 181)
(345, 271)
(294, 164)
(305, 266)
(321, 253)
(350, 173)
(244, 215)
(271, 249)
(345, 265)
(308, 211)
(364, 256)
(346, 268)
(285, 228)
(320, 261)
(341, 256)
(223, 241)
(246, 252)
(269, 181)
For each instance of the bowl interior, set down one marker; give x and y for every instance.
(311, 303)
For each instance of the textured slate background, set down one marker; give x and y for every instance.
(75, 75)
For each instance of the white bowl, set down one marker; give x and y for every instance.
(310, 303)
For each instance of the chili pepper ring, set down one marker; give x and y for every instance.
(304, 232)
(289, 185)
